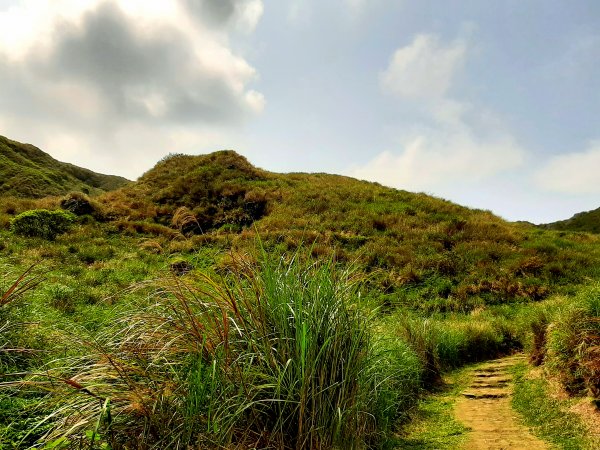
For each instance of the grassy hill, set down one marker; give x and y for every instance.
(588, 221)
(159, 321)
(422, 251)
(26, 171)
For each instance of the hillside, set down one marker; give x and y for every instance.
(588, 221)
(422, 251)
(26, 171)
(208, 274)
(417, 250)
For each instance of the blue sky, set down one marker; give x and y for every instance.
(494, 105)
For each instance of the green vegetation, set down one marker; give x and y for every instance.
(433, 425)
(281, 355)
(195, 194)
(26, 171)
(42, 223)
(549, 417)
(81, 205)
(420, 251)
(448, 341)
(568, 341)
(588, 221)
(159, 322)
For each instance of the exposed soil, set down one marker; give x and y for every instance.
(485, 409)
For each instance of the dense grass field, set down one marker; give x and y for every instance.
(215, 305)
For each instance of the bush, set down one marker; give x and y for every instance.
(79, 204)
(573, 348)
(42, 223)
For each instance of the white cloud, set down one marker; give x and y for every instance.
(455, 142)
(573, 173)
(435, 158)
(423, 69)
(74, 70)
(250, 13)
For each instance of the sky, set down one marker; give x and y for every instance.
(493, 105)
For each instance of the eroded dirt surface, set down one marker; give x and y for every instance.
(485, 409)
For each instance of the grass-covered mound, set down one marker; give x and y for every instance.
(195, 194)
(26, 171)
(420, 250)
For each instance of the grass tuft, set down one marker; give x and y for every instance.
(276, 355)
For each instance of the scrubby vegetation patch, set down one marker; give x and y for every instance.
(42, 223)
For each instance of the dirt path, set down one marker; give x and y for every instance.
(485, 409)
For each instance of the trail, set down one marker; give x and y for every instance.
(485, 409)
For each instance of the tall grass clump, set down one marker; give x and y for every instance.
(278, 354)
(573, 347)
(445, 342)
(11, 333)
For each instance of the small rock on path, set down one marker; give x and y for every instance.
(485, 409)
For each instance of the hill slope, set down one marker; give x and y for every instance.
(421, 250)
(584, 221)
(26, 171)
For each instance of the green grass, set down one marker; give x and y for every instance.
(573, 343)
(433, 425)
(223, 387)
(588, 221)
(26, 171)
(284, 350)
(279, 354)
(549, 418)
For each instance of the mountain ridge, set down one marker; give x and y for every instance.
(587, 221)
(27, 171)
(421, 251)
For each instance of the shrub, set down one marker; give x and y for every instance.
(79, 204)
(42, 223)
(61, 297)
(574, 343)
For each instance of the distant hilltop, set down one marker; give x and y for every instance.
(26, 171)
(584, 221)
(420, 250)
